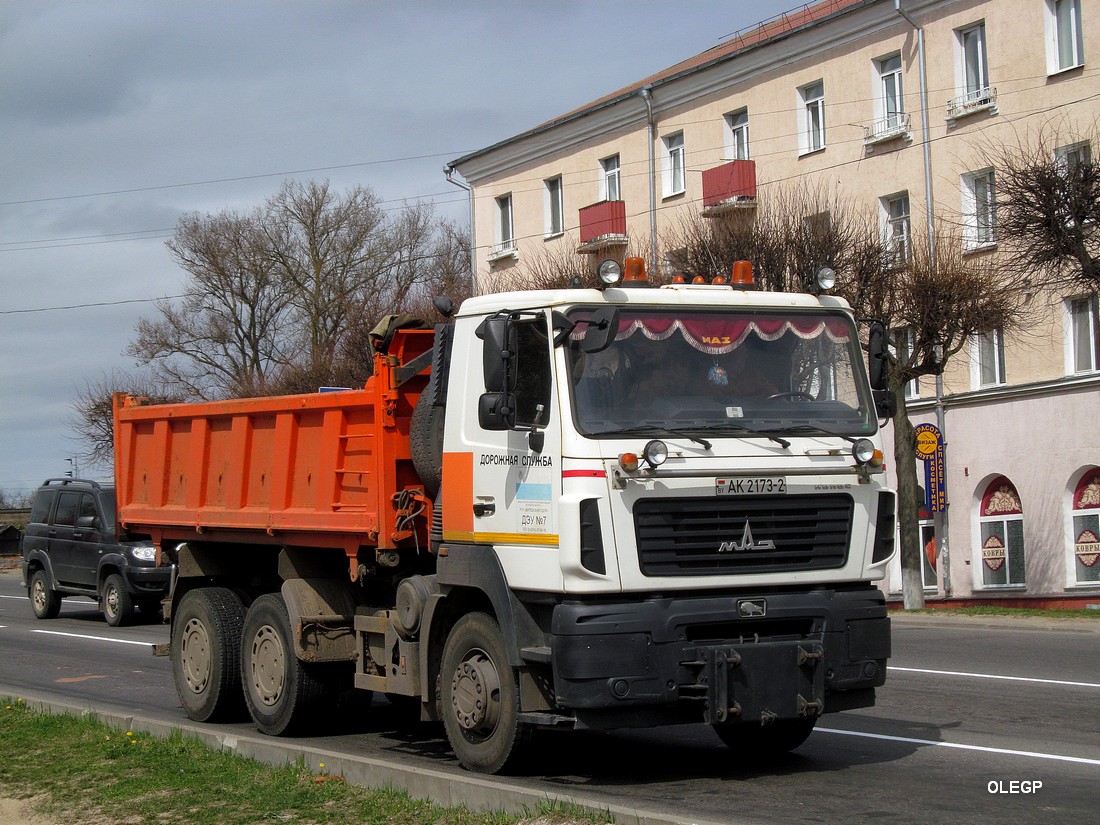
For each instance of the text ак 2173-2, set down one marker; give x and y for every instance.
(759, 486)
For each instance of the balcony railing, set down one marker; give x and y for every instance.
(976, 100)
(603, 225)
(729, 186)
(887, 128)
(503, 249)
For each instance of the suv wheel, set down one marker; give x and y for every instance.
(118, 607)
(45, 602)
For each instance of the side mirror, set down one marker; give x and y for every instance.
(878, 357)
(499, 334)
(603, 326)
(886, 406)
(496, 411)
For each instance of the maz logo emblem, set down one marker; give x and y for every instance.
(746, 543)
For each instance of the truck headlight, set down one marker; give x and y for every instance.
(655, 453)
(144, 553)
(864, 452)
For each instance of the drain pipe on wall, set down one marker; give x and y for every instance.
(647, 96)
(940, 519)
(449, 172)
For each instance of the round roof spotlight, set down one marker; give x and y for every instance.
(863, 451)
(826, 278)
(655, 453)
(609, 272)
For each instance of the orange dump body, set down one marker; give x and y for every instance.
(318, 470)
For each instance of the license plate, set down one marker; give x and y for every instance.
(760, 486)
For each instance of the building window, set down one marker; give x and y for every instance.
(674, 164)
(1065, 39)
(1083, 334)
(812, 115)
(987, 359)
(896, 228)
(905, 342)
(553, 206)
(1002, 535)
(737, 135)
(892, 106)
(609, 179)
(1086, 529)
(1073, 158)
(979, 209)
(505, 237)
(972, 74)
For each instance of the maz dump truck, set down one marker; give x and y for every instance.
(582, 508)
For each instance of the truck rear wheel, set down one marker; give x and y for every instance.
(480, 698)
(206, 645)
(118, 607)
(752, 741)
(45, 603)
(282, 693)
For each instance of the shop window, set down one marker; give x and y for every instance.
(1002, 535)
(1086, 529)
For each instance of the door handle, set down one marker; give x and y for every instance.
(484, 508)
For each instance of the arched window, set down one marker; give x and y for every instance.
(1086, 528)
(1002, 533)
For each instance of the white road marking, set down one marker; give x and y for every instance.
(992, 676)
(93, 638)
(1004, 751)
(23, 598)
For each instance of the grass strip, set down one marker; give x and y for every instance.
(82, 772)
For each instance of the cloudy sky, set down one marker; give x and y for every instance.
(118, 116)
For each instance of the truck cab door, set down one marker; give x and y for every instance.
(512, 464)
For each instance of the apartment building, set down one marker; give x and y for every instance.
(893, 104)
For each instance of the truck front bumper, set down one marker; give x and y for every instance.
(720, 658)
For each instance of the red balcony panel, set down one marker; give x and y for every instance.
(735, 180)
(603, 218)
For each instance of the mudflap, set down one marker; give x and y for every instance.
(762, 681)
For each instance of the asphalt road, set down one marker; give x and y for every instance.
(974, 716)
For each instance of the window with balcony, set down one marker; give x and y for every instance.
(979, 209)
(896, 228)
(553, 206)
(812, 118)
(1065, 38)
(890, 121)
(737, 135)
(610, 179)
(972, 70)
(505, 236)
(1082, 324)
(987, 359)
(673, 164)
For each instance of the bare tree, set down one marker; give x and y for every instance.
(1048, 207)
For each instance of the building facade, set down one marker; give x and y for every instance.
(899, 106)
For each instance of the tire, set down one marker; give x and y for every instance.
(426, 443)
(206, 654)
(283, 695)
(753, 742)
(479, 700)
(118, 605)
(45, 603)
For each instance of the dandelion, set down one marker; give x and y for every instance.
(322, 764)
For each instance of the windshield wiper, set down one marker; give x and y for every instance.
(810, 428)
(655, 430)
(784, 443)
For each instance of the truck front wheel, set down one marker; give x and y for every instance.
(206, 645)
(480, 698)
(282, 693)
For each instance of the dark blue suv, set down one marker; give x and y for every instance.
(71, 548)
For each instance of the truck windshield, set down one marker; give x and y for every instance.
(734, 373)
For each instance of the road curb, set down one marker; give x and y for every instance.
(476, 792)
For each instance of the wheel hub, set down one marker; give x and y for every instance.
(195, 656)
(39, 595)
(267, 666)
(475, 693)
